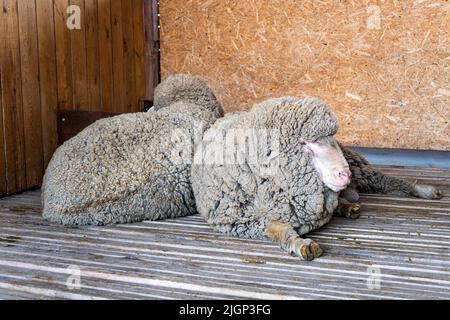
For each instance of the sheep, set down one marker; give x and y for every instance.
(132, 167)
(251, 179)
(367, 179)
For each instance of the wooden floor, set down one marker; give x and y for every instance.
(406, 240)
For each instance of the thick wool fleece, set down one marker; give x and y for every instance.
(241, 197)
(131, 167)
(187, 88)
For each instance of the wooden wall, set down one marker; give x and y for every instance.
(382, 66)
(44, 67)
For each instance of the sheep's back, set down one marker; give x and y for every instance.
(121, 169)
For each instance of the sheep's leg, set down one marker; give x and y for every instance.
(427, 192)
(375, 181)
(347, 209)
(285, 235)
(365, 178)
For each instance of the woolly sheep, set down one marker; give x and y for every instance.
(367, 179)
(240, 196)
(278, 194)
(132, 167)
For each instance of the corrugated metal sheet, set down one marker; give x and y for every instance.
(406, 240)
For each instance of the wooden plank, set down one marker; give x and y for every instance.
(63, 55)
(118, 56)
(151, 47)
(31, 92)
(79, 62)
(161, 241)
(3, 187)
(106, 56)
(92, 54)
(131, 103)
(11, 80)
(139, 49)
(48, 78)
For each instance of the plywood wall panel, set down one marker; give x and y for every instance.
(382, 66)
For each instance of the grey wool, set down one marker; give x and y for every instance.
(132, 167)
(186, 88)
(241, 194)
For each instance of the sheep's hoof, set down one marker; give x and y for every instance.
(354, 211)
(308, 249)
(349, 210)
(428, 192)
(439, 195)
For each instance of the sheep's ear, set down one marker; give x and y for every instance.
(304, 142)
(305, 146)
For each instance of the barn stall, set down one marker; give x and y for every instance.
(381, 66)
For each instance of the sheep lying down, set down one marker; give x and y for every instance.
(132, 167)
(276, 171)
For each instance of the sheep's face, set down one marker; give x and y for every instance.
(327, 158)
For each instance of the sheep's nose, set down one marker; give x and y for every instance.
(344, 176)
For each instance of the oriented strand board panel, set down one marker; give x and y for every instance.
(382, 66)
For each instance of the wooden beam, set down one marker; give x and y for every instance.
(152, 51)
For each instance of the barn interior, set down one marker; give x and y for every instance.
(381, 66)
